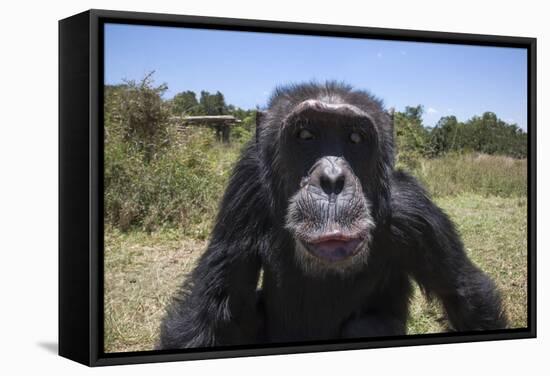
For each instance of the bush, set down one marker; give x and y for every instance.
(154, 175)
(179, 188)
(243, 131)
(410, 137)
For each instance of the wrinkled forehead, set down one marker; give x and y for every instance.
(320, 111)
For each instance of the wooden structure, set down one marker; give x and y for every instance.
(221, 123)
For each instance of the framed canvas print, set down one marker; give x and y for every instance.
(235, 187)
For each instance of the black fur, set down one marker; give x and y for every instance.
(409, 237)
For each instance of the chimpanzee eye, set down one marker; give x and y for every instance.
(304, 134)
(355, 137)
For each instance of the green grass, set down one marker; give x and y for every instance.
(144, 270)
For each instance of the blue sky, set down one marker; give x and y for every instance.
(245, 67)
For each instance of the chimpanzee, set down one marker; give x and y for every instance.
(316, 204)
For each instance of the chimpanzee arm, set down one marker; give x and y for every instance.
(218, 305)
(434, 256)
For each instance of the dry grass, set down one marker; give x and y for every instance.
(143, 271)
(494, 231)
(486, 175)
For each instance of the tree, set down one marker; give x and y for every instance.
(411, 136)
(185, 103)
(443, 137)
(213, 104)
(484, 134)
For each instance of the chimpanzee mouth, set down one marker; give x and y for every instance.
(333, 248)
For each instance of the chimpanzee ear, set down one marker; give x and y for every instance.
(259, 116)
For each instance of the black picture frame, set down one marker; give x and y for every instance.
(81, 189)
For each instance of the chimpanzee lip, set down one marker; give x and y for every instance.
(336, 236)
(334, 247)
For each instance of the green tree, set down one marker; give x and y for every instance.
(484, 134)
(185, 103)
(443, 137)
(213, 104)
(411, 136)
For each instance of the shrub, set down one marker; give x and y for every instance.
(178, 188)
(154, 175)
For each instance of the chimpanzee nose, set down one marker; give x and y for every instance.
(332, 177)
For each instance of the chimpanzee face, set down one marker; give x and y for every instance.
(330, 153)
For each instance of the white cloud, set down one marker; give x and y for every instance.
(431, 110)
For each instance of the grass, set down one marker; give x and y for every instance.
(487, 175)
(144, 270)
(494, 232)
